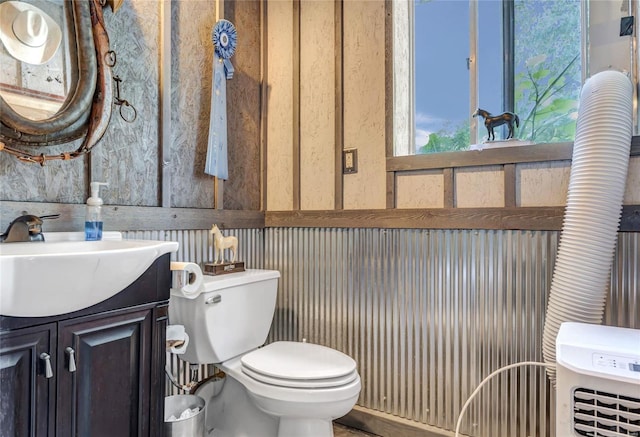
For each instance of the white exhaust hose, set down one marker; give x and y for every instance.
(594, 205)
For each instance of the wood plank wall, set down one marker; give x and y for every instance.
(471, 186)
(342, 99)
(158, 160)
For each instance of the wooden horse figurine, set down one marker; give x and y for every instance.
(491, 121)
(221, 243)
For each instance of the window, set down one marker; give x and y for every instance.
(520, 56)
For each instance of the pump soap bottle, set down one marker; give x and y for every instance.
(93, 221)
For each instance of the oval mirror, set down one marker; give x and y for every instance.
(51, 97)
(35, 58)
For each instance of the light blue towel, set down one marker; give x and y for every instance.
(216, 164)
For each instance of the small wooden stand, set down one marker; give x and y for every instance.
(223, 268)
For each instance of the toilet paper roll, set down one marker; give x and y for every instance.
(187, 279)
(177, 339)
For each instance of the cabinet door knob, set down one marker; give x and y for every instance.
(72, 361)
(48, 372)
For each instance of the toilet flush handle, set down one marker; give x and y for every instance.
(216, 298)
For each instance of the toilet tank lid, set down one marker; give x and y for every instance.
(228, 280)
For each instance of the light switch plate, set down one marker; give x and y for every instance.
(626, 26)
(350, 161)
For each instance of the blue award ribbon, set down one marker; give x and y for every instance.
(216, 164)
(224, 40)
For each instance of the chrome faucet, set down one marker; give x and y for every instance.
(27, 227)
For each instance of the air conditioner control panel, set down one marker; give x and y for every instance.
(601, 351)
(615, 361)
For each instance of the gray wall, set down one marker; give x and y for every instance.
(129, 155)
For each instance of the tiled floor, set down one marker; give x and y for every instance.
(343, 431)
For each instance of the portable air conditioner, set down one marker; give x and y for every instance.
(597, 381)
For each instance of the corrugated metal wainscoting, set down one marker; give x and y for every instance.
(427, 314)
(195, 247)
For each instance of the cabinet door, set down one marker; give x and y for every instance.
(104, 375)
(27, 382)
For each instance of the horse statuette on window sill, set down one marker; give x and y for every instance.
(491, 121)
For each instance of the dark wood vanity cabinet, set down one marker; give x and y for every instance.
(97, 372)
(104, 379)
(27, 396)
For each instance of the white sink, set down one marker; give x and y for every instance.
(58, 276)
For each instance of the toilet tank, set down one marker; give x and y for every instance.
(232, 315)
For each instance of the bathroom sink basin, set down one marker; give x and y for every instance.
(58, 276)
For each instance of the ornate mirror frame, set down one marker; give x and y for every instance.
(87, 109)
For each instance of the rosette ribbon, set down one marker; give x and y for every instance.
(224, 40)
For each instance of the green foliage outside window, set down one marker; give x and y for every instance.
(548, 76)
(548, 114)
(447, 140)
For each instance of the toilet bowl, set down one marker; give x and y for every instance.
(283, 389)
(290, 381)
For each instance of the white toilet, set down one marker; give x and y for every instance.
(284, 389)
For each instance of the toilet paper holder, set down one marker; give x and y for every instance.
(177, 339)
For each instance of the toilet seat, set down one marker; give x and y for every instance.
(298, 383)
(299, 365)
(290, 395)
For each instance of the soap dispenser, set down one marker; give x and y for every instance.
(93, 221)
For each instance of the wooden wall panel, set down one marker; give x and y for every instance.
(56, 182)
(279, 106)
(479, 187)
(192, 54)
(421, 189)
(542, 184)
(127, 156)
(317, 105)
(242, 190)
(364, 102)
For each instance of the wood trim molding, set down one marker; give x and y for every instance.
(165, 103)
(509, 171)
(547, 218)
(391, 190)
(534, 219)
(449, 188)
(339, 105)
(131, 218)
(296, 104)
(388, 425)
(389, 99)
(264, 95)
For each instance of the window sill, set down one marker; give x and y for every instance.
(501, 144)
(490, 156)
